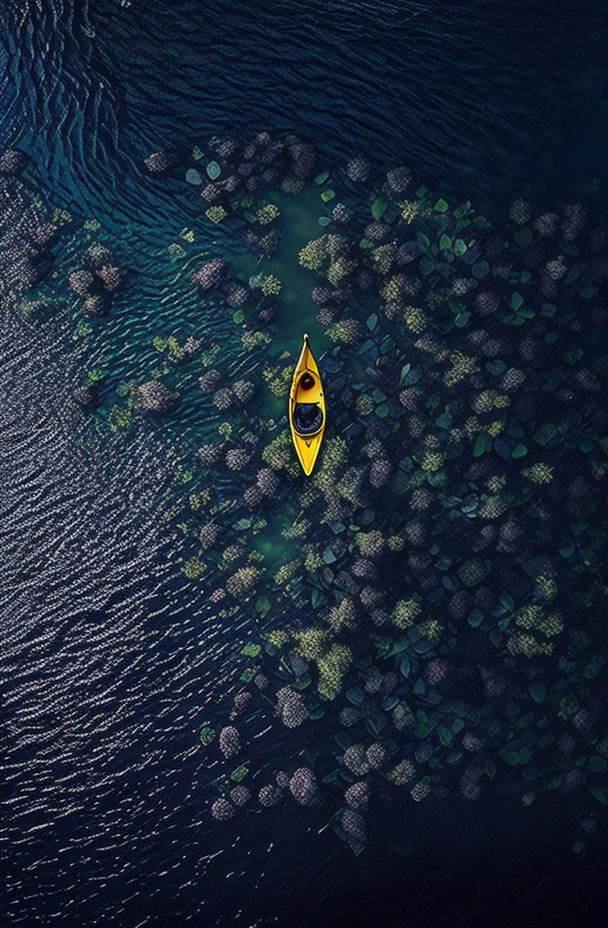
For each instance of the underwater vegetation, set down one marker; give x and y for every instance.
(426, 613)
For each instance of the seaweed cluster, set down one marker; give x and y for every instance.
(441, 604)
(424, 614)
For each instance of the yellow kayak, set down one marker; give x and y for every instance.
(307, 409)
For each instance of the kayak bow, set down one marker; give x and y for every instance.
(307, 409)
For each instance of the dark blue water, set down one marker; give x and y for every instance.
(112, 660)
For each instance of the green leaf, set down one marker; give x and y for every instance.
(444, 735)
(596, 764)
(600, 793)
(519, 451)
(444, 421)
(511, 758)
(525, 755)
(537, 691)
(475, 618)
(441, 206)
(355, 696)
(321, 178)
(516, 300)
(251, 650)
(480, 446)
(239, 774)
(523, 237)
(379, 208)
(213, 170)
(206, 735)
(343, 740)
(445, 242)
(460, 247)
(545, 433)
(423, 240)
(376, 722)
(328, 195)
(382, 411)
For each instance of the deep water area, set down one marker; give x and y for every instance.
(232, 694)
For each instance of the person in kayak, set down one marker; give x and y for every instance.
(307, 418)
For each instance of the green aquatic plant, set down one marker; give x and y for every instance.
(454, 511)
(314, 254)
(271, 285)
(268, 213)
(194, 568)
(332, 667)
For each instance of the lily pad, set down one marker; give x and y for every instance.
(193, 177)
(411, 377)
(424, 752)
(343, 740)
(480, 269)
(379, 208)
(251, 650)
(355, 696)
(445, 735)
(538, 691)
(600, 793)
(523, 237)
(480, 446)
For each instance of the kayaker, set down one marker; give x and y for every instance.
(307, 381)
(307, 417)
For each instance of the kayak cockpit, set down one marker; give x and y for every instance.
(307, 418)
